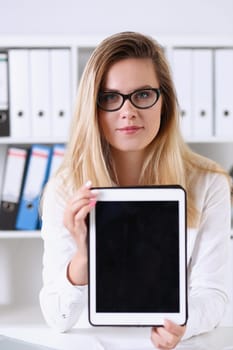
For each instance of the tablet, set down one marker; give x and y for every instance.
(137, 257)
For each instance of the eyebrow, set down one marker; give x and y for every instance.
(138, 88)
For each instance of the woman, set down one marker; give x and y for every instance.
(125, 131)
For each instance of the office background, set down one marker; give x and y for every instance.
(20, 260)
(184, 18)
(103, 17)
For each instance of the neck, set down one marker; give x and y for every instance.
(128, 167)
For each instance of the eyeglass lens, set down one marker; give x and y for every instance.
(112, 101)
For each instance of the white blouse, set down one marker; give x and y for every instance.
(208, 246)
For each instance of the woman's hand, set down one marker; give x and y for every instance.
(75, 215)
(167, 337)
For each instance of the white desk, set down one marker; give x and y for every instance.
(85, 337)
(115, 339)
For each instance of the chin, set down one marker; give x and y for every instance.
(129, 149)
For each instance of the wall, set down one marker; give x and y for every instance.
(102, 17)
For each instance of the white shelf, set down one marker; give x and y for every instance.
(47, 140)
(15, 234)
(93, 40)
(209, 140)
(24, 315)
(11, 140)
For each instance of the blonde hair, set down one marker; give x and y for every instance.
(169, 160)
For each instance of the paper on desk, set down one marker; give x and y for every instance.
(7, 343)
(124, 344)
(130, 344)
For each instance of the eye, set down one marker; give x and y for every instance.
(109, 97)
(142, 95)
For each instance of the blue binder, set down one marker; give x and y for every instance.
(36, 177)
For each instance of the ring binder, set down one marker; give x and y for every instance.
(4, 104)
(12, 186)
(36, 176)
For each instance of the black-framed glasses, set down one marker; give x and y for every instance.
(112, 101)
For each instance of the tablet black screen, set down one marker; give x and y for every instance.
(137, 256)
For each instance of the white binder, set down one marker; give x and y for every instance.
(58, 152)
(202, 93)
(3, 81)
(19, 91)
(16, 158)
(223, 93)
(182, 72)
(40, 87)
(60, 92)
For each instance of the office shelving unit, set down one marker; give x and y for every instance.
(21, 251)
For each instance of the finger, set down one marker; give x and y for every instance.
(81, 199)
(84, 211)
(88, 184)
(74, 219)
(163, 339)
(174, 328)
(80, 226)
(78, 205)
(84, 193)
(72, 210)
(159, 343)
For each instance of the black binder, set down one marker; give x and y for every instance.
(4, 95)
(15, 168)
(4, 123)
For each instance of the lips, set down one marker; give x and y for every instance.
(129, 130)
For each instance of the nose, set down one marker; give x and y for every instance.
(128, 110)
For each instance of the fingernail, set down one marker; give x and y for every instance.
(92, 203)
(88, 183)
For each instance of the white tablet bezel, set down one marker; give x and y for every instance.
(155, 193)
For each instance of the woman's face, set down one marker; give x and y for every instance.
(130, 128)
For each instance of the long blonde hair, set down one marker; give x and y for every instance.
(168, 161)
